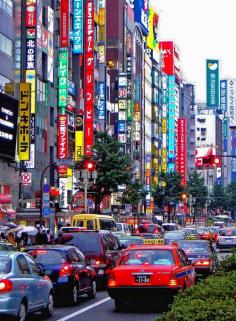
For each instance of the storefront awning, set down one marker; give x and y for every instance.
(5, 198)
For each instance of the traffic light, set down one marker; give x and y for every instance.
(184, 197)
(212, 161)
(89, 165)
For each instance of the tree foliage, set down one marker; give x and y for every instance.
(218, 198)
(113, 167)
(134, 194)
(196, 187)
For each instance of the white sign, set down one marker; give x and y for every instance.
(63, 193)
(26, 178)
(231, 101)
(30, 163)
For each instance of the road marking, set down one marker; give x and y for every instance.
(72, 315)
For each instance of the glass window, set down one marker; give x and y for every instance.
(34, 267)
(6, 45)
(5, 264)
(47, 257)
(107, 224)
(7, 7)
(90, 224)
(153, 257)
(23, 265)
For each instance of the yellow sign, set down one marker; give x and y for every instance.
(24, 122)
(152, 38)
(79, 145)
(30, 78)
(164, 125)
(153, 241)
(10, 89)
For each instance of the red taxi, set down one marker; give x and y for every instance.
(149, 270)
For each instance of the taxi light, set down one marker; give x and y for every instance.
(111, 283)
(5, 286)
(66, 270)
(173, 282)
(202, 263)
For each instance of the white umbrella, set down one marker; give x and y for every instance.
(14, 230)
(30, 230)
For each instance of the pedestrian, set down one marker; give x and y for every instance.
(11, 239)
(49, 237)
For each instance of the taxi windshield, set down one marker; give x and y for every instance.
(194, 247)
(146, 257)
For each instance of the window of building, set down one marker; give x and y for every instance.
(52, 117)
(7, 7)
(6, 45)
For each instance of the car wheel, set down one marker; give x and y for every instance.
(92, 293)
(22, 312)
(48, 311)
(74, 295)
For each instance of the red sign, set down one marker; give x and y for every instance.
(62, 139)
(31, 19)
(64, 24)
(182, 155)
(89, 77)
(167, 55)
(26, 178)
(62, 170)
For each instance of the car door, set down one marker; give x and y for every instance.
(187, 271)
(85, 272)
(41, 288)
(112, 252)
(28, 285)
(79, 269)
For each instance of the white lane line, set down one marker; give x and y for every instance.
(72, 315)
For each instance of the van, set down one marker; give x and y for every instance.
(94, 222)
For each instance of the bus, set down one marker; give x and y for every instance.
(94, 222)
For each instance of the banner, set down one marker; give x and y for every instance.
(212, 73)
(63, 193)
(62, 138)
(79, 138)
(63, 78)
(182, 154)
(24, 122)
(78, 27)
(64, 24)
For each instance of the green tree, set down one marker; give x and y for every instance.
(230, 197)
(169, 190)
(218, 198)
(198, 191)
(112, 165)
(134, 194)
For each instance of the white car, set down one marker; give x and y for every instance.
(122, 229)
(227, 238)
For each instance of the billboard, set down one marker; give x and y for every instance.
(30, 54)
(64, 24)
(141, 8)
(63, 193)
(24, 122)
(62, 137)
(31, 16)
(231, 101)
(78, 27)
(8, 126)
(182, 152)
(63, 78)
(79, 137)
(167, 57)
(212, 80)
(171, 117)
(152, 38)
(101, 108)
(89, 77)
(223, 95)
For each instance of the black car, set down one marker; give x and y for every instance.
(100, 247)
(68, 270)
(202, 255)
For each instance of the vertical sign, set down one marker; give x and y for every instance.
(50, 45)
(79, 137)
(24, 122)
(167, 57)
(231, 101)
(64, 24)
(62, 139)
(63, 193)
(89, 77)
(182, 155)
(31, 20)
(212, 73)
(171, 117)
(101, 101)
(63, 78)
(78, 27)
(223, 95)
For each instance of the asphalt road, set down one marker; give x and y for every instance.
(102, 309)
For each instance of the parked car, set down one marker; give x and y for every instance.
(68, 270)
(100, 247)
(4, 246)
(202, 254)
(227, 238)
(24, 288)
(153, 271)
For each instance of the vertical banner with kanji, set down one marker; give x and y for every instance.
(24, 122)
(62, 138)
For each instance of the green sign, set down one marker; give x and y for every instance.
(130, 110)
(62, 78)
(212, 73)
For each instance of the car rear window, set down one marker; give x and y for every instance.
(86, 242)
(174, 235)
(152, 257)
(194, 247)
(147, 228)
(169, 227)
(48, 257)
(228, 232)
(5, 264)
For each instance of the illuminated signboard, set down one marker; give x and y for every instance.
(30, 54)
(231, 101)
(79, 137)
(24, 122)
(171, 117)
(31, 17)
(63, 193)
(62, 137)
(101, 108)
(167, 54)
(64, 24)
(63, 78)
(89, 77)
(212, 74)
(182, 155)
(78, 27)
(141, 9)
(223, 95)
(8, 126)
(152, 38)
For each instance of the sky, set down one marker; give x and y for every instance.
(201, 29)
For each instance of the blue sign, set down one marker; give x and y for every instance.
(101, 108)
(141, 14)
(71, 88)
(223, 95)
(78, 27)
(46, 188)
(121, 126)
(47, 211)
(171, 117)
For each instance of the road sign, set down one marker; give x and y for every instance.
(46, 188)
(26, 178)
(65, 162)
(46, 211)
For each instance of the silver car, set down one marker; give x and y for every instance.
(226, 238)
(23, 287)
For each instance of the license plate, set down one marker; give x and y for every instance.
(142, 278)
(153, 241)
(228, 240)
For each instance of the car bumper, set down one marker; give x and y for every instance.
(225, 245)
(136, 292)
(203, 270)
(9, 306)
